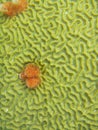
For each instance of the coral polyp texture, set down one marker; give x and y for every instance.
(31, 74)
(61, 37)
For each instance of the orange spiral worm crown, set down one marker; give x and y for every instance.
(31, 74)
(32, 82)
(13, 8)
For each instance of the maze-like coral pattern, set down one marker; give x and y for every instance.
(60, 36)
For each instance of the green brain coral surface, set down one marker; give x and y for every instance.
(60, 36)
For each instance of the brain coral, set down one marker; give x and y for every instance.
(60, 36)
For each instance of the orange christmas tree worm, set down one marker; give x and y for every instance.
(14, 7)
(31, 75)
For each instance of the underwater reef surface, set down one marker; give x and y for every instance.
(60, 36)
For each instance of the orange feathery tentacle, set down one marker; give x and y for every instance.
(13, 8)
(31, 74)
(10, 8)
(32, 82)
(31, 71)
(22, 4)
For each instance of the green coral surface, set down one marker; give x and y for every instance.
(60, 36)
